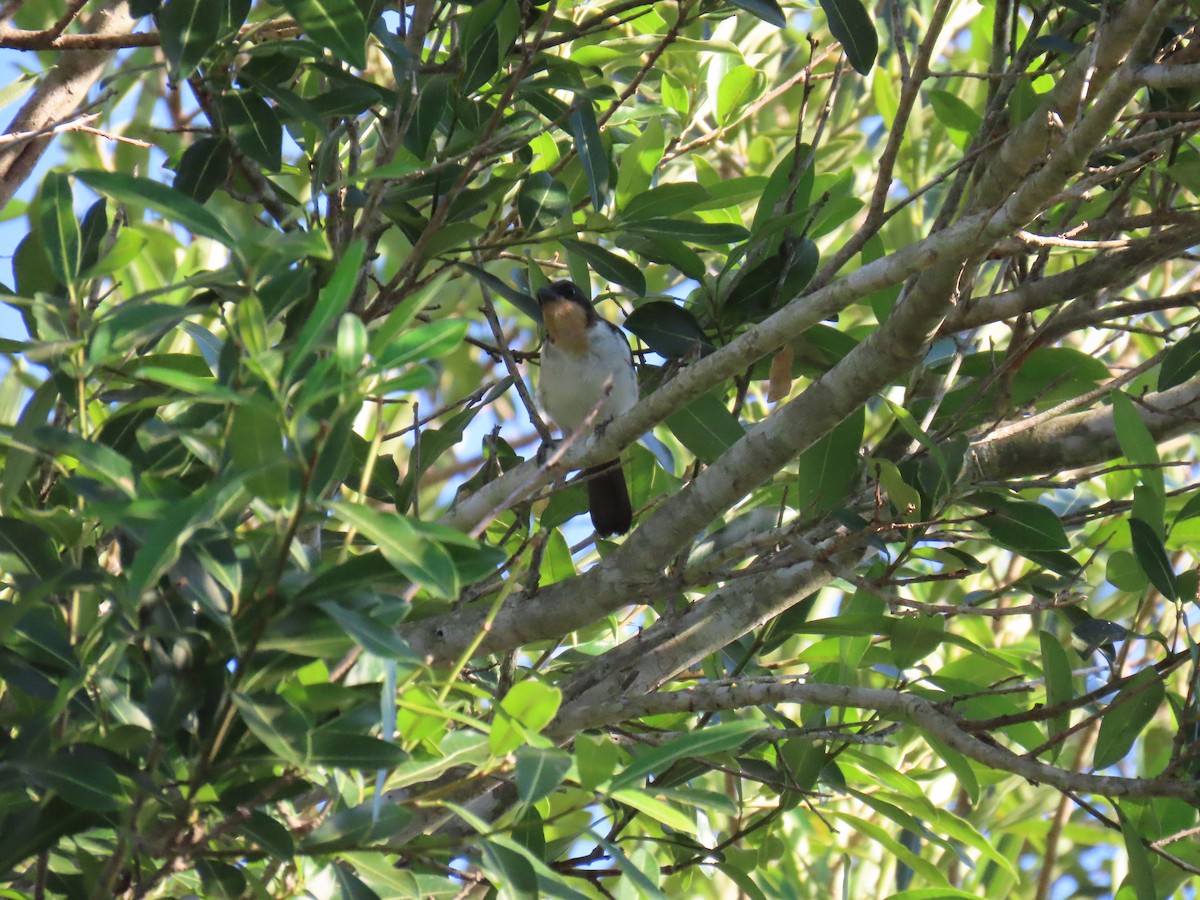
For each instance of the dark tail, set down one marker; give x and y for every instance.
(608, 499)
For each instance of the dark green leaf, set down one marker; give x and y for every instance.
(94, 458)
(373, 636)
(423, 342)
(424, 561)
(20, 457)
(1020, 524)
(666, 251)
(608, 265)
(337, 25)
(915, 637)
(543, 201)
(1141, 876)
(1152, 557)
(706, 427)
(82, 781)
(539, 772)
(695, 231)
(519, 299)
(592, 155)
(203, 168)
(60, 230)
(854, 30)
(1181, 363)
(707, 741)
(786, 181)
(169, 203)
(351, 751)
(1056, 670)
(953, 112)
(739, 86)
(667, 329)
(278, 725)
(189, 30)
(254, 126)
(268, 834)
(1130, 712)
(26, 549)
(665, 200)
(829, 468)
(766, 287)
(767, 10)
(256, 447)
(332, 301)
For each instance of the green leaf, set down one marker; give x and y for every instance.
(762, 290)
(351, 751)
(426, 341)
(256, 447)
(707, 741)
(21, 456)
(169, 203)
(592, 155)
(767, 10)
(829, 468)
(188, 30)
(608, 265)
(526, 709)
(125, 249)
(337, 25)
(915, 637)
(656, 809)
(82, 781)
(953, 112)
(595, 759)
(519, 299)
(1152, 557)
(269, 834)
(1056, 670)
(539, 772)
(60, 230)
(254, 126)
(1130, 712)
(958, 764)
(94, 458)
(665, 200)
(1021, 524)
(739, 86)
(667, 329)
(27, 550)
(543, 201)
(852, 27)
(695, 231)
(674, 95)
(203, 168)
(639, 161)
(373, 636)
(277, 724)
(1141, 876)
(332, 301)
(1181, 363)
(403, 544)
(706, 427)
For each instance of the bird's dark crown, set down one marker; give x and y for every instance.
(563, 290)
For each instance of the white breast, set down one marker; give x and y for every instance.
(569, 386)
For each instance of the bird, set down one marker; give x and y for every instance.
(587, 365)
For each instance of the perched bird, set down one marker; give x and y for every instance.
(587, 365)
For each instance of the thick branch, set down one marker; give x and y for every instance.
(896, 705)
(58, 96)
(1080, 439)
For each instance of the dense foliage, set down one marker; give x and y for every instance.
(909, 604)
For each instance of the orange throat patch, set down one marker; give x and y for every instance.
(566, 323)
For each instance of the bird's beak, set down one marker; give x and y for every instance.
(548, 294)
